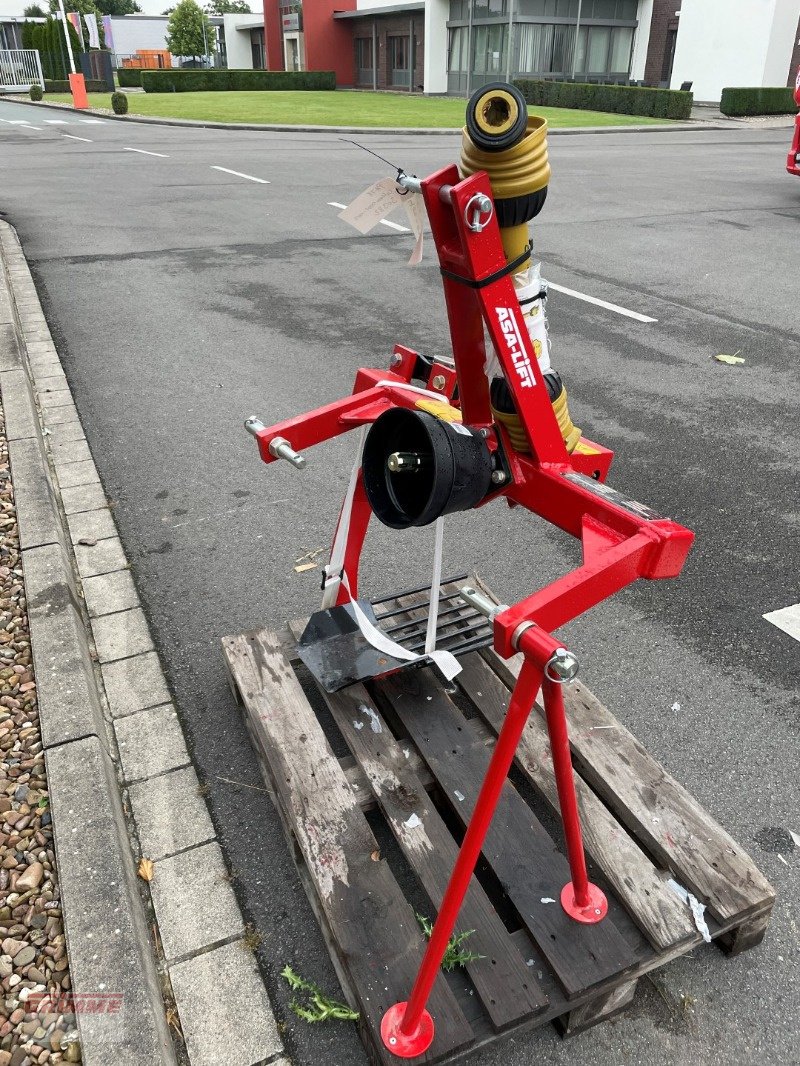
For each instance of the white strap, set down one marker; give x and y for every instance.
(436, 584)
(447, 662)
(335, 568)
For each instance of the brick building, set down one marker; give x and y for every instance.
(662, 40)
(389, 46)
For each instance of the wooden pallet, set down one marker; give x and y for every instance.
(417, 756)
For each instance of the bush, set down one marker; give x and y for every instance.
(129, 77)
(92, 86)
(740, 101)
(618, 99)
(196, 81)
(119, 103)
(36, 92)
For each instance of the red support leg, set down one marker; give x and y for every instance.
(582, 900)
(407, 1028)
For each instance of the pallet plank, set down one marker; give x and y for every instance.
(505, 984)
(656, 909)
(376, 934)
(518, 848)
(654, 807)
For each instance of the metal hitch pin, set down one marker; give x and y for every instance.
(282, 449)
(563, 667)
(482, 604)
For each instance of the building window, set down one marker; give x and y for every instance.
(591, 10)
(597, 54)
(669, 56)
(257, 49)
(399, 73)
(457, 50)
(489, 48)
(621, 46)
(364, 60)
(546, 48)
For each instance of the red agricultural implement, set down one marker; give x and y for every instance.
(436, 438)
(461, 439)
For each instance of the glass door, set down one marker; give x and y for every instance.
(399, 72)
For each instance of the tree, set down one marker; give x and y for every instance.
(119, 7)
(48, 38)
(228, 7)
(33, 11)
(189, 33)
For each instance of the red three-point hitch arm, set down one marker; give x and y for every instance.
(621, 540)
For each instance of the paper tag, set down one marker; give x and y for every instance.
(416, 217)
(367, 210)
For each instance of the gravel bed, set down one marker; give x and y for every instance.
(36, 1020)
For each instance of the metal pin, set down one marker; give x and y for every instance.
(282, 449)
(254, 425)
(407, 462)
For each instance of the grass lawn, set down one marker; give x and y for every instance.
(340, 108)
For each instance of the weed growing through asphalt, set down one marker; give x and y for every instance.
(454, 954)
(312, 1005)
(251, 940)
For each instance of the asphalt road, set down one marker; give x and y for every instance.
(184, 298)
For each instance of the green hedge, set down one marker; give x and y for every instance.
(621, 99)
(740, 101)
(63, 86)
(196, 81)
(129, 77)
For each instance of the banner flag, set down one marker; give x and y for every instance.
(91, 26)
(108, 32)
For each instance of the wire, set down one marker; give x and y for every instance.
(364, 148)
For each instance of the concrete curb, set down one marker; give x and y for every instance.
(120, 776)
(697, 126)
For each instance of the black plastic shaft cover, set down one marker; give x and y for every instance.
(455, 468)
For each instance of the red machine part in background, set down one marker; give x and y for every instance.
(793, 159)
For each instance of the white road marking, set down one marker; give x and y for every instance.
(384, 221)
(787, 619)
(72, 137)
(22, 122)
(141, 151)
(93, 121)
(238, 174)
(55, 122)
(601, 303)
(395, 225)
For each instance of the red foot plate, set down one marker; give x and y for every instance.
(403, 1045)
(594, 911)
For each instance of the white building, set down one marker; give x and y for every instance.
(736, 42)
(133, 33)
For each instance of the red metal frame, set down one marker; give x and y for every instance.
(621, 539)
(792, 164)
(792, 160)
